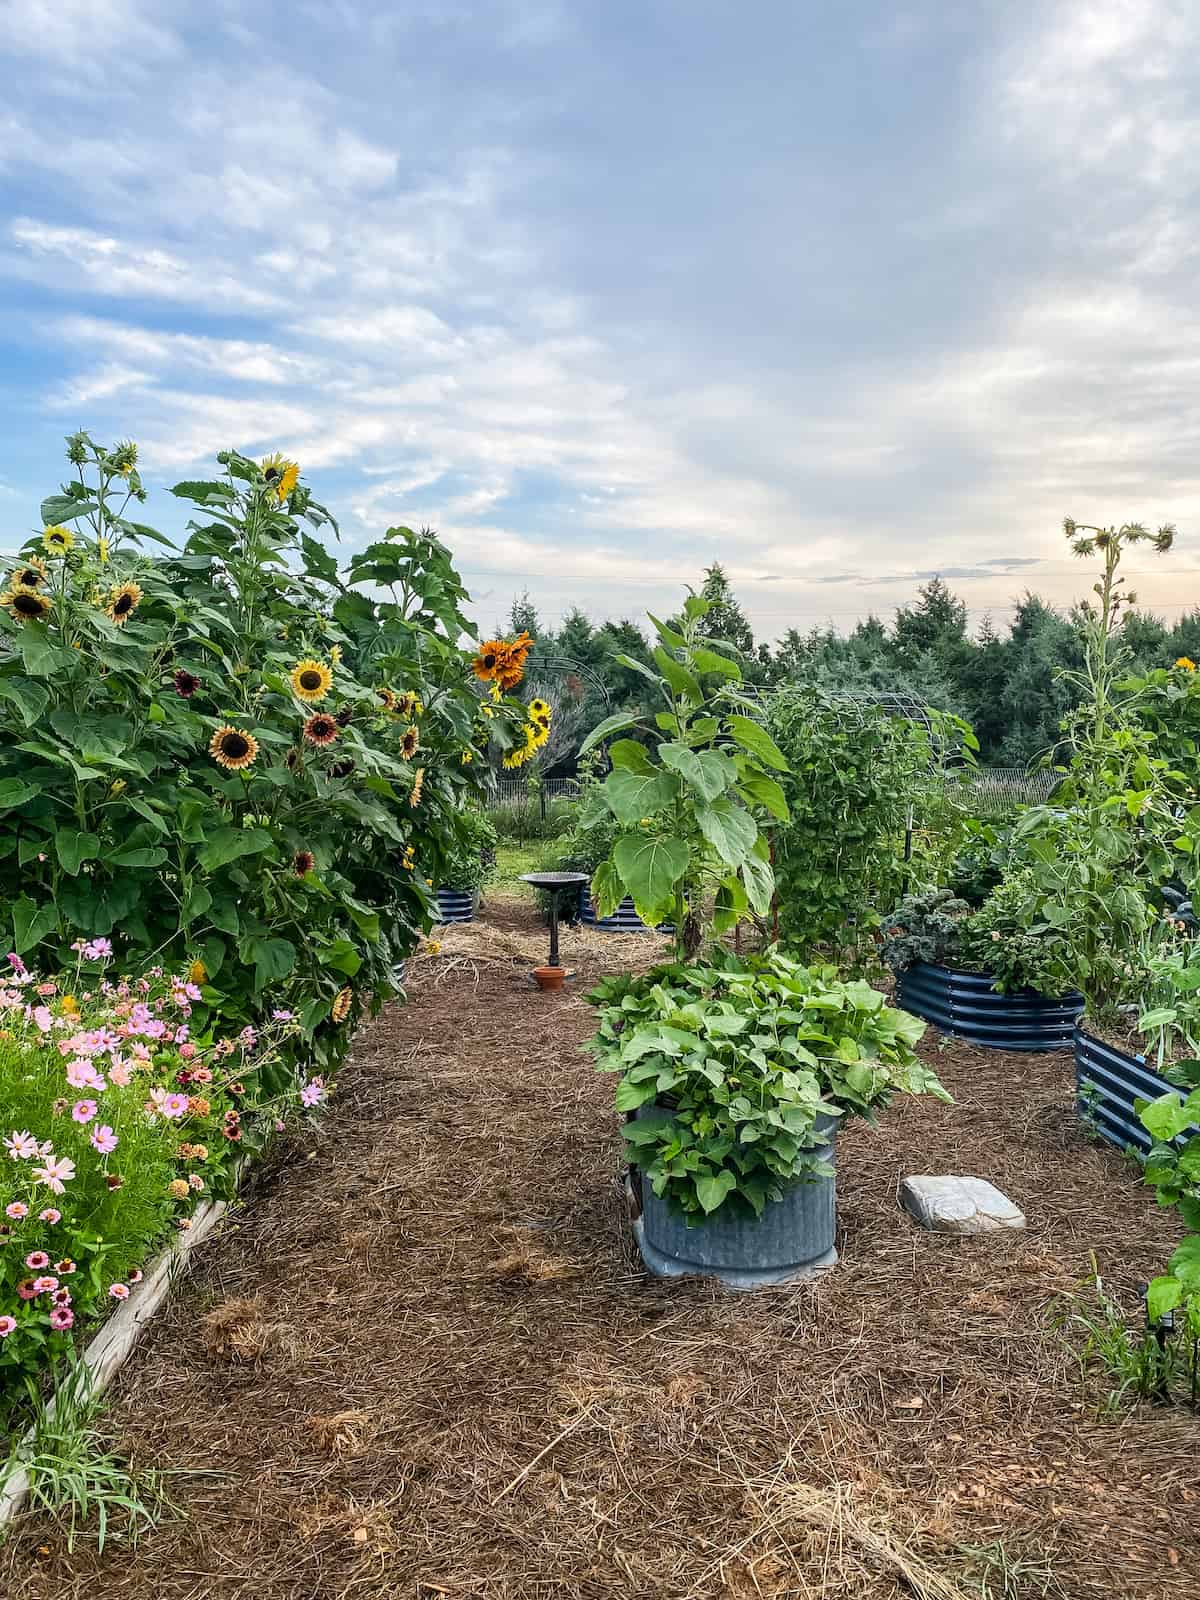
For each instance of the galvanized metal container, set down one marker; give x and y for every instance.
(792, 1240)
(1107, 1082)
(623, 920)
(456, 905)
(966, 1005)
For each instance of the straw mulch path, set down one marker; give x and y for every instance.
(428, 1364)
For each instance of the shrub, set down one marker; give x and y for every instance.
(740, 1061)
(233, 753)
(471, 858)
(925, 927)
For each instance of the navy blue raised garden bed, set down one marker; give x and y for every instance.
(456, 905)
(965, 1004)
(623, 920)
(1107, 1082)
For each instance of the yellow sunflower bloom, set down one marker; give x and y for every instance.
(122, 603)
(25, 605)
(57, 541)
(340, 1009)
(233, 749)
(281, 475)
(29, 576)
(1186, 664)
(311, 680)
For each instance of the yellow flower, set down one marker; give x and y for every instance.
(340, 1009)
(25, 605)
(414, 798)
(178, 1188)
(233, 749)
(281, 475)
(433, 948)
(466, 758)
(386, 698)
(70, 1005)
(409, 742)
(122, 603)
(197, 972)
(335, 654)
(102, 550)
(30, 576)
(1186, 664)
(57, 541)
(539, 708)
(408, 705)
(311, 680)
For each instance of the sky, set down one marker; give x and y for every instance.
(841, 296)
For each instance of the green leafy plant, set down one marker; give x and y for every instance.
(1147, 1364)
(925, 927)
(234, 753)
(738, 1070)
(996, 939)
(470, 859)
(1173, 1169)
(688, 803)
(856, 775)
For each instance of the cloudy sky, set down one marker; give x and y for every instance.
(838, 294)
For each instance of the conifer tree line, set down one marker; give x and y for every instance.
(1006, 680)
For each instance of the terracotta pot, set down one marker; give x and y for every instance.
(549, 978)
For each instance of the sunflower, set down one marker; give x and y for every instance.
(489, 660)
(409, 743)
(320, 729)
(122, 603)
(409, 705)
(387, 698)
(513, 667)
(281, 475)
(186, 683)
(539, 710)
(520, 754)
(414, 798)
(57, 541)
(340, 1009)
(233, 749)
(25, 605)
(335, 654)
(341, 769)
(311, 680)
(31, 576)
(303, 862)
(1186, 664)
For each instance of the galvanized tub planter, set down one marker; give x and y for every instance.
(966, 1005)
(791, 1241)
(1107, 1082)
(623, 920)
(457, 905)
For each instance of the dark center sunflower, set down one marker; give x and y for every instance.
(271, 474)
(122, 605)
(28, 605)
(310, 679)
(30, 577)
(235, 746)
(489, 660)
(322, 727)
(56, 538)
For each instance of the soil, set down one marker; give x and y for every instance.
(425, 1361)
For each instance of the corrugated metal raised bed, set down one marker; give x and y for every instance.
(1107, 1082)
(623, 920)
(966, 1005)
(456, 905)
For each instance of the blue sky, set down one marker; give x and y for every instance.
(839, 295)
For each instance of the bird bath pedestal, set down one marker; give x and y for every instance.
(551, 975)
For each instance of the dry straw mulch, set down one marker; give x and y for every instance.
(430, 1365)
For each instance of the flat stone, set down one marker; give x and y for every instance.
(959, 1205)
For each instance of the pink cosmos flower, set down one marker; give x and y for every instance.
(16, 1210)
(56, 1173)
(36, 1260)
(174, 1105)
(21, 1146)
(50, 1215)
(119, 1291)
(7, 1325)
(98, 950)
(62, 1318)
(120, 1074)
(45, 1284)
(104, 1139)
(84, 1110)
(41, 1015)
(81, 1074)
(312, 1093)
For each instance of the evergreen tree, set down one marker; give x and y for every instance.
(726, 620)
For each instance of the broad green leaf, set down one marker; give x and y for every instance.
(29, 698)
(666, 634)
(705, 660)
(231, 844)
(696, 606)
(31, 923)
(342, 957)
(634, 795)
(1165, 1117)
(630, 1095)
(729, 828)
(75, 848)
(711, 1191)
(1185, 1263)
(614, 724)
(197, 902)
(650, 868)
(707, 773)
(759, 880)
(607, 889)
(678, 676)
(631, 756)
(272, 959)
(14, 793)
(1163, 1295)
(730, 905)
(58, 508)
(757, 741)
(42, 658)
(760, 790)
(144, 856)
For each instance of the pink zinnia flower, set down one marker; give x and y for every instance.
(136, 1275)
(61, 1297)
(56, 1172)
(45, 1284)
(16, 1210)
(62, 1318)
(7, 1325)
(25, 1289)
(65, 1267)
(50, 1215)
(119, 1291)
(21, 1146)
(104, 1139)
(36, 1260)
(187, 1050)
(84, 1110)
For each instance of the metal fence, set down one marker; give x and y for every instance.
(516, 792)
(995, 791)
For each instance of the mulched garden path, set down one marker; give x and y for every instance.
(429, 1364)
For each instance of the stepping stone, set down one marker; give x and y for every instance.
(959, 1205)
